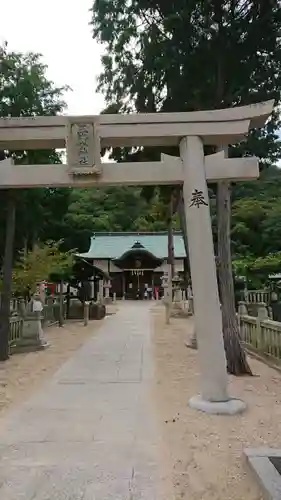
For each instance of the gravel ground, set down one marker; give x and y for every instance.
(205, 451)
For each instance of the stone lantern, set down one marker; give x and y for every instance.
(107, 287)
(176, 288)
(101, 292)
(167, 286)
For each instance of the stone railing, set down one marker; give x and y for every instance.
(18, 306)
(16, 329)
(260, 334)
(50, 313)
(257, 296)
(15, 304)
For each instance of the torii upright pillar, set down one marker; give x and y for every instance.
(214, 397)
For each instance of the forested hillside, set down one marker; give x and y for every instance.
(75, 214)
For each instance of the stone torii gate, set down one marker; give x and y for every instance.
(84, 137)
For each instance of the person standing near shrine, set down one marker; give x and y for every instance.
(149, 292)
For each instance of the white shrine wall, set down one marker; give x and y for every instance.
(179, 266)
(103, 265)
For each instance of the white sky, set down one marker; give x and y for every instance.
(60, 31)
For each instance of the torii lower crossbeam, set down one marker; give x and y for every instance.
(169, 171)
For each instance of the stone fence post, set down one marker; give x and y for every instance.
(61, 305)
(242, 308)
(262, 316)
(191, 306)
(86, 313)
(101, 290)
(242, 311)
(270, 313)
(168, 294)
(22, 307)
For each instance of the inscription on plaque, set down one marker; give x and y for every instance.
(83, 146)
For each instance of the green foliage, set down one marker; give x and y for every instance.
(26, 91)
(45, 260)
(241, 266)
(271, 263)
(24, 87)
(110, 209)
(256, 227)
(168, 55)
(257, 270)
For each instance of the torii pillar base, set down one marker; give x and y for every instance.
(230, 407)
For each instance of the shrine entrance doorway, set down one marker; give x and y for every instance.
(135, 283)
(138, 265)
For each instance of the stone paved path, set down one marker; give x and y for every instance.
(89, 434)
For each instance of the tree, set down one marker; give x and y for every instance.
(7, 275)
(256, 211)
(24, 91)
(165, 200)
(39, 264)
(109, 209)
(189, 55)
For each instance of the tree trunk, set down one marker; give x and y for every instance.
(183, 221)
(67, 301)
(7, 277)
(171, 256)
(61, 315)
(193, 340)
(183, 225)
(235, 355)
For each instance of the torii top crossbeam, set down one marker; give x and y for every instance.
(84, 136)
(152, 129)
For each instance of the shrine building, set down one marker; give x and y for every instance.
(133, 260)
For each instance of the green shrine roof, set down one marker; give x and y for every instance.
(114, 245)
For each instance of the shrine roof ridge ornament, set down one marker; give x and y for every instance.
(152, 129)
